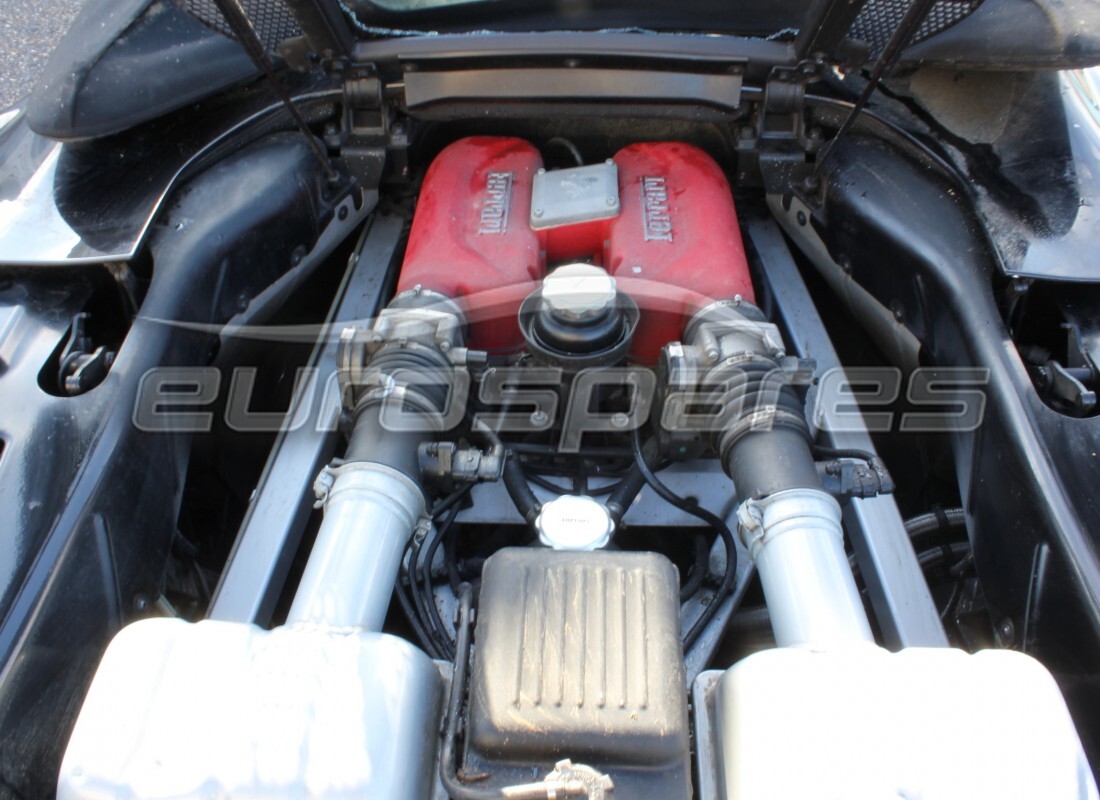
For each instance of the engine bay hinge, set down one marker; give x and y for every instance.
(369, 136)
(780, 135)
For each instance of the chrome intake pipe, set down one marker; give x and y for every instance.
(789, 523)
(371, 511)
(797, 545)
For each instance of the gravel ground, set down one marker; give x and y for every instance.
(29, 31)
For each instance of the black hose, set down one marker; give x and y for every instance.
(934, 556)
(624, 494)
(691, 507)
(942, 520)
(753, 620)
(519, 490)
(821, 451)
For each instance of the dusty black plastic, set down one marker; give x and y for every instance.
(1027, 475)
(125, 63)
(578, 656)
(90, 500)
(1017, 34)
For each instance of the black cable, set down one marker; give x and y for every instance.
(902, 35)
(556, 488)
(450, 500)
(566, 470)
(690, 506)
(549, 486)
(425, 575)
(450, 563)
(561, 141)
(414, 619)
(419, 600)
(234, 14)
(414, 589)
(448, 768)
(527, 448)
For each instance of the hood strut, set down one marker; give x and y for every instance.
(246, 34)
(901, 37)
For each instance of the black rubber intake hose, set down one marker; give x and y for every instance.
(374, 437)
(762, 463)
(763, 438)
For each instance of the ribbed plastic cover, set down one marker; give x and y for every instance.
(579, 656)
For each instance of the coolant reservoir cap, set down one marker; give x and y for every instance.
(578, 292)
(572, 522)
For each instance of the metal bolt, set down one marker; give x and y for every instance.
(541, 171)
(611, 201)
(539, 418)
(620, 420)
(537, 213)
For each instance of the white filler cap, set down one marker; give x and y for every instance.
(572, 522)
(578, 291)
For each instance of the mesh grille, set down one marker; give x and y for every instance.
(880, 18)
(272, 20)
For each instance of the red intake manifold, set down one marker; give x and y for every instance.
(674, 247)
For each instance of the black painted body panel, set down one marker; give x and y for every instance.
(89, 500)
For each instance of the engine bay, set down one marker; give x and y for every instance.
(588, 447)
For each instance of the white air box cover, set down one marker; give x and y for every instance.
(221, 710)
(921, 724)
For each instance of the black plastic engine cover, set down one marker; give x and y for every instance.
(579, 656)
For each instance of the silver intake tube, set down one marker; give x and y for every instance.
(797, 544)
(371, 511)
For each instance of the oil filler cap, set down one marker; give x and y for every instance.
(573, 522)
(577, 292)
